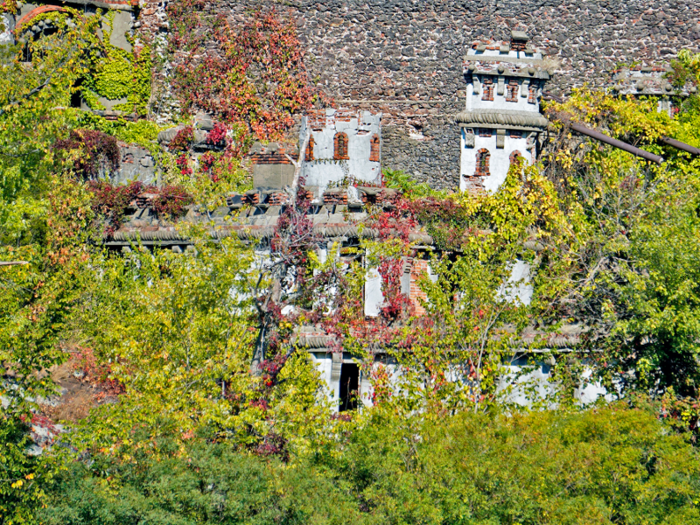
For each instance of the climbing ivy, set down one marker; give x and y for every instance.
(141, 132)
(119, 74)
(256, 79)
(8, 6)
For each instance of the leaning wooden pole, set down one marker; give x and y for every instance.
(12, 263)
(680, 145)
(585, 130)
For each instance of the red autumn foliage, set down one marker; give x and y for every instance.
(183, 162)
(217, 136)
(96, 374)
(255, 81)
(112, 201)
(183, 139)
(96, 153)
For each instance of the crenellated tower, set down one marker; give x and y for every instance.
(502, 119)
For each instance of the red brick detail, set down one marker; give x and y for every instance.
(415, 294)
(269, 158)
(309, 154)
(532, 93)
(474, 185)
(483, 160)
(484, 132)
(335, 197)
(128, 159)
(515, 156)
(374, 149)
(251, 198)
(144, 200)
(512, 90)
(277, 198)
(487, 89)
(515, 134)
(340, 146)
(36, 12)
(518, 45)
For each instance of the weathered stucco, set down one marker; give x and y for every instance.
(322, 127)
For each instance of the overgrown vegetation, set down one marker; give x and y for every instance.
(254, 82)
(219, 412)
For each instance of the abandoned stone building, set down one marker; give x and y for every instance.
(447, 91)
(402, 59)
(340, 153)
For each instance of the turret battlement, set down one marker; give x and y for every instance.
(501, 121)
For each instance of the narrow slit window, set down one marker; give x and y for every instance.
(487, 89)
(374, 149)
(483, 161)
(512, 90)
(309, 156)
(340, 149)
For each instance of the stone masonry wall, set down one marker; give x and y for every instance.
(404, 57)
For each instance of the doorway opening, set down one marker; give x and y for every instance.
(349, 386)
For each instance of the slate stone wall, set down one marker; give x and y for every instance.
(404, 57)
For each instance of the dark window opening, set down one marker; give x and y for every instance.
(349, 386)
(76, 95)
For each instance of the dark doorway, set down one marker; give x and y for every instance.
(349, 384)
(76, 97)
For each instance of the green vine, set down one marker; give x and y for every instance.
(8, 6)
(141, 132)
(119, 74)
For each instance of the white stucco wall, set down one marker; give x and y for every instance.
(524, 384)
(519, 285)
(324, 364)
(374, 298)
(7, 25)
(500, 158)
(499, 102)
(360, 128)
(500, 66)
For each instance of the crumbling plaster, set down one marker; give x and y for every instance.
(360, 127)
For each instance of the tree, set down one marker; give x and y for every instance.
(628, 260)
(603, 466)
(202, 483)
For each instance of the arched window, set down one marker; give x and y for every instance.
(487, 89)
(29, 29)
(340, 146)
(532, 93)
(512, 90)
(483, 159)
(374, 149)
(309, 155)
(515, 156)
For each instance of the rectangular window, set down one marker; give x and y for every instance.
(512, 91)
(532, 94)
(487, 89)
